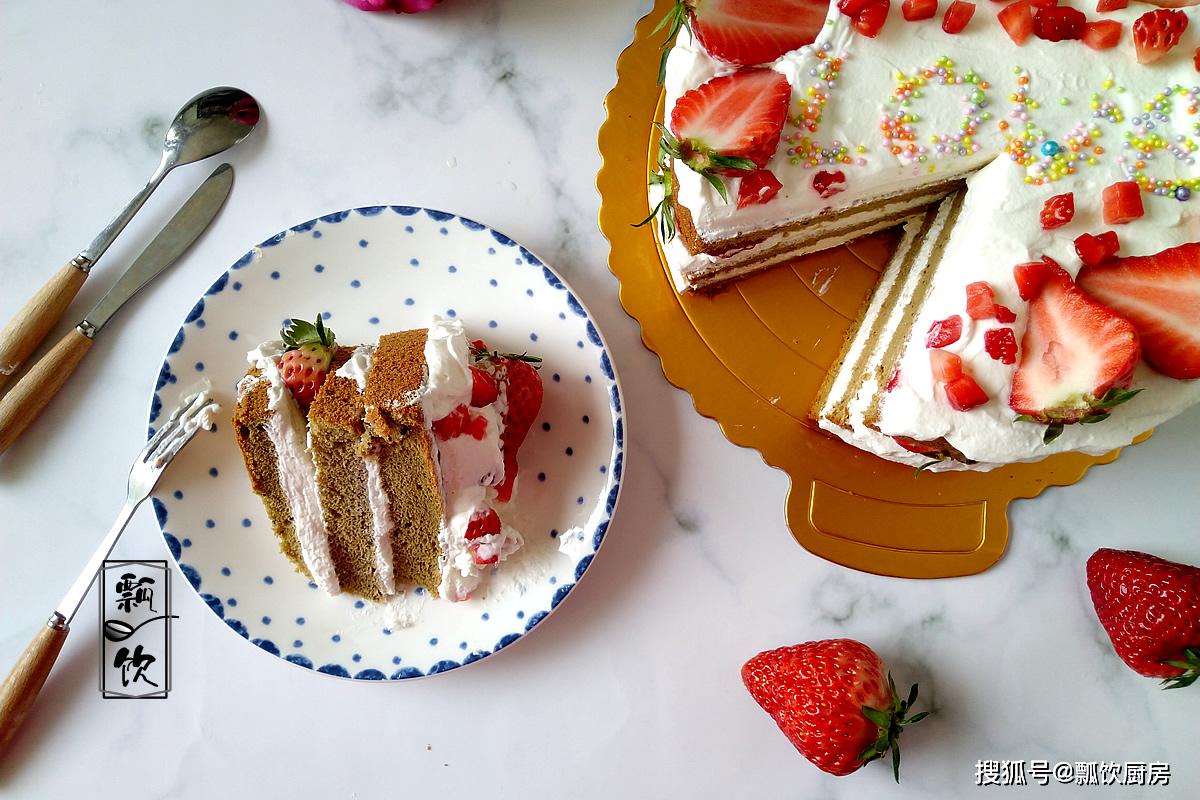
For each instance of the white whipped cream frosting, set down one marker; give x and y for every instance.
(287, 429)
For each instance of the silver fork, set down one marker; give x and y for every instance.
(27, 676)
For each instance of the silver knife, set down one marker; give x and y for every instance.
(29, 396)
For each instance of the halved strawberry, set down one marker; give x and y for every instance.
(1156, 32)
(1001, 344)
(1031, 275)
(758, 187)
(1122, 202)
(729, 125)
(914, 10)
(945, 366)
(1102, 34)
(1059, 209)
(957, 16)
(1094, 249)
(964, 393)
(1074, 353)
(868, 15)
(1017, 20)
(1105, 6)
(981, 300)
(1058, 23)
(749, 32)
(944, 331)
(1160, 295)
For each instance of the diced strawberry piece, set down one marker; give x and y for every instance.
(1074, 351)
(1031, 275)
(1122, 202)
(1001, 344)
(758, 187)
(1058, 210)
(915, 10)
(1093, 250)
(1102, 34)
(964, 393)
(484, 389)
(827, 184)
(460, 422)
(1017, 20)
(957, 16)
(1104, 6)
(1058, 23)
(944, 331)
(482, 523)
(1156, 32)
(868, 15)
(748, 32)
(1043, 3)
(1005, 314)
(1160, 295)
(981, 300)
(731, 117)
(945, 366)
(1196, 59)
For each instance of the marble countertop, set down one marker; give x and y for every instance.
(490, 108)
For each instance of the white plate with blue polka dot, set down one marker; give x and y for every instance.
(369, 271)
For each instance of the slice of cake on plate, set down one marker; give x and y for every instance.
(1045, 295)
(381, 466)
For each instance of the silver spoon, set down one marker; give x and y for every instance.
(211, 122)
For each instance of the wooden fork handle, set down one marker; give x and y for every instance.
(38, 386)
(25, 681)
(29, 327)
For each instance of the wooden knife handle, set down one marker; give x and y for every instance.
(29, 327)
(26, 400)
(26, 678)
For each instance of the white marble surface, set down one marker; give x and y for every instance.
(490, 108)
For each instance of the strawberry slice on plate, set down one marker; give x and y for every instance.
(958, 15)
(915, 10)
(729, 125)
(749, 32)
(1017, 20)
(1077, 357)
(1160, 295)
(1156, 32)
(868, 16)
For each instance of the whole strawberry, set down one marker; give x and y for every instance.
(834, 700)
(305, 363)
(523, 393)
(1150, 608)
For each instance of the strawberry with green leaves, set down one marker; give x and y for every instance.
(1150, 608)
(522, 386)
(305, 362)
(834, 700)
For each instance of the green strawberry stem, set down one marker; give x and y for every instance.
(675, 19)
(479, 354)
(1190, 664)
(890, 723)
(665, 210)
(702, 161)
(297, 333)
(1099, 410)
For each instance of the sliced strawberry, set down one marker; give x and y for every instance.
(1196, 59)
(914, 10)
(944, 331)
(1122, 202)
(1030, 276)
(1058, 210)
(1104, 6)
(827, 184)
(484, 389)
(1092, 250)
(1005, 314)
(1156, 32)
(964, 393)
(758, 187)
(945, 366)
(482, 523)
(957, 16)
(523, 391)
(1001, 344)
(1160, 295)
(1102, 34)
(1058, 23)
(729, 125)
(868, 15)
(749, 32)
(1074, 352)
(1017, 20)
(981, 300)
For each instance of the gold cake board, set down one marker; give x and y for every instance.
(753, 356)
